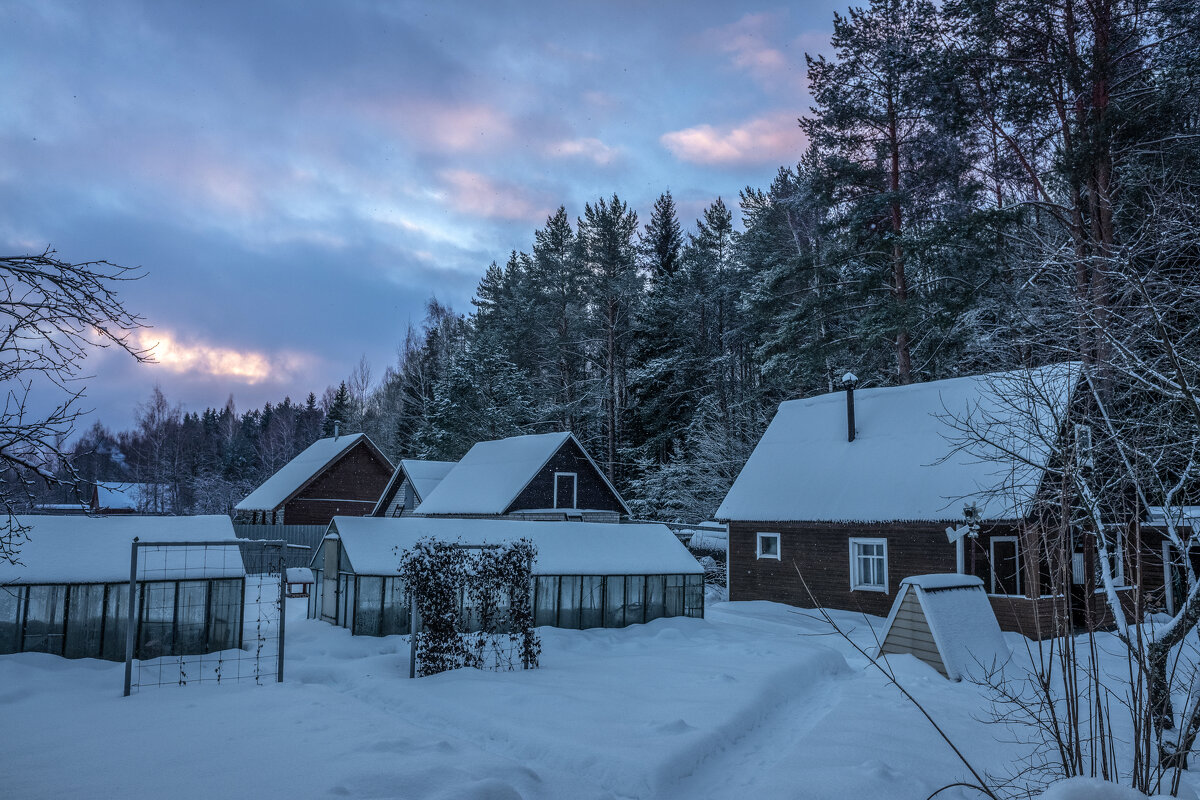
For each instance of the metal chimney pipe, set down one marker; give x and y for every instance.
(849, 380)
(335, 428)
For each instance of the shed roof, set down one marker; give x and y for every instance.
(373, 544)
(909, 460)
(424, 476)
(491, 475)
(128, 496)
(301, 470)
(81, 549)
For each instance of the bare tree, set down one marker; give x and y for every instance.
(52, 315)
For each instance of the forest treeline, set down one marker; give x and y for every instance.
(974, 170)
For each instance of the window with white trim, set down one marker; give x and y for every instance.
(868, 565)
(768, 545)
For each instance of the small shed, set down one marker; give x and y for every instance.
(587, 574)
(69, 596)
(947, 622)
(411, 483)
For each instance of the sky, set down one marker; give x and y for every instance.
(297, 179)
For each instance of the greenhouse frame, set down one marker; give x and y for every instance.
(587, 575)
(69, 596)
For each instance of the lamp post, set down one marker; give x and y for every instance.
(971, 515)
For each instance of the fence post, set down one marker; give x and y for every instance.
(412, 637)
(131, 631)
(282, 609)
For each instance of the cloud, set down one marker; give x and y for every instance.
(477, 195)
(198, 358)
(590, 148)
(765, 140)
(747, 42)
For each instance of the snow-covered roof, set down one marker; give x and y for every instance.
(129, 496)
(373, 544)
(491, 475)
(297, 473)
(944, 580)
(1180, 515)
(910, 459)
(81, 549)
(423, 475)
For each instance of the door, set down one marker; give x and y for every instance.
(329, 575)
(1006, 565)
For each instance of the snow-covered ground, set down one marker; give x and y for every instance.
(758, 700)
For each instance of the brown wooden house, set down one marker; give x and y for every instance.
(338, 476)
(850, 492)
(542, 476)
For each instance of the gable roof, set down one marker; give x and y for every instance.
(373, 544)
(908, 462)
(82, 549)
(423, 475)
(492, 474)
(302, 470)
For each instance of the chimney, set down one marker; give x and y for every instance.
(849, 380)
(335, 429)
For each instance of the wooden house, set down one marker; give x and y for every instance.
(338, 476)
(411, 483)
(850, 492)
(542, 476)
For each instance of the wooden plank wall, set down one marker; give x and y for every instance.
(910, 633)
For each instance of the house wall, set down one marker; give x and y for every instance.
(821, 552)
(593, 492)
(350, 487)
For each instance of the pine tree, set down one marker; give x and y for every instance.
(338, 413)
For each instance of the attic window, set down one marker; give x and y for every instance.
(566, 490)
(768, 545)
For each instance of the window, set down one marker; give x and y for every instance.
(565, 490)
(768, 545)
(868, 565)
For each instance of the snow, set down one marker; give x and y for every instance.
(849, 377)
(424, 476)
(906, 462)
(126, 496)
(708, 540)
(491, 475)
(372, 544)
(1091, 789)
(757, 700)
(299, 575)
(944, 581)
(295, 474)
(82, 549)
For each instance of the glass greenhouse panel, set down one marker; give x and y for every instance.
(568, 601)
(44, 618)
(693, 595)
(591, 603)
(85, 623)
(12, 600)
(614, 601)
(191, 615)
(635, 608)
(369, 605)
(225, 615)
(396, 609)
(655, 597)
(156, 637)
(546, 603)
(674, 596)
(116, 621)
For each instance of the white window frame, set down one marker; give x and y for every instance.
(992, 561)
(574, 488)
(856, 584)
(758, 539)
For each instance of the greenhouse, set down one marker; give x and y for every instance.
(69, 596)
(587, 575)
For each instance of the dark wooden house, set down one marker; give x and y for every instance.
(544, 476)
(411, 483)
(850, 492)
(338, 476)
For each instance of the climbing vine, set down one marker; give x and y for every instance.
(475, 605)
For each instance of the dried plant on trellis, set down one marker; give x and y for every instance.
(494, 582)
(52, 314)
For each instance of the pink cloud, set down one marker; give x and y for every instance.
(748, 44)
(773, 139)
(454, 129)
(478, 195)
(590, 148)
(190, 356)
